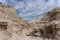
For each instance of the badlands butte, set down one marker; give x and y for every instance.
(13, 27)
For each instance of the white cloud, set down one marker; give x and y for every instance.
(34, 7)
(4, 1)
(19, 5)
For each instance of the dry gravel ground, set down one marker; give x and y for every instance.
(4, 36)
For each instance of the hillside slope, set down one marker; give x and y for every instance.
(14, 28)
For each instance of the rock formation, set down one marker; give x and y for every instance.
(13, 27)
(49, 25)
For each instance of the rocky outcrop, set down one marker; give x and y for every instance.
(49, 25)
(11, 26)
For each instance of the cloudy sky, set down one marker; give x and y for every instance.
(29, 9)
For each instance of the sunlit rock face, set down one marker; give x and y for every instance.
(50, 19)
(11, 26)
(14, 28)
(53, 15)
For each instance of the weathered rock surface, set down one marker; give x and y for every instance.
(11, 26)
(14, 28)
(50, 19)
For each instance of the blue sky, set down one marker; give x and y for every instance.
(29, 9)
